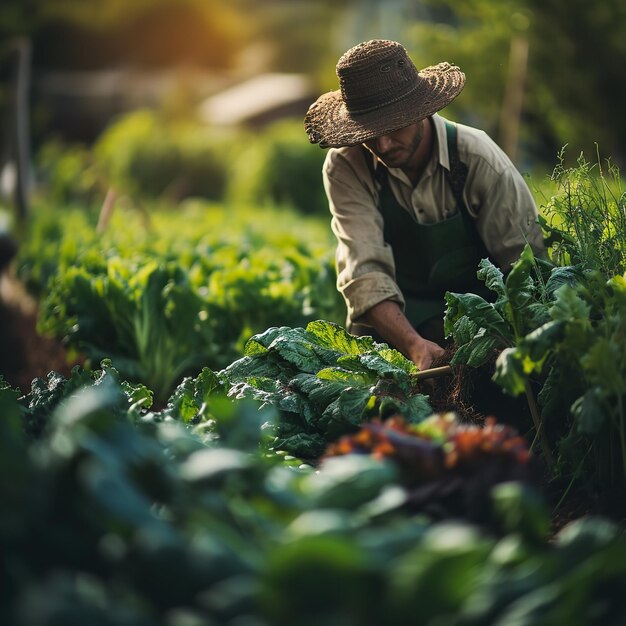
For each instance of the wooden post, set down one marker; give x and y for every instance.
(511, 111)
(19, 129)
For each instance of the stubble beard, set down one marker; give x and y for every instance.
(391, 160)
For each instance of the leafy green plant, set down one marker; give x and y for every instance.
(325, 382)
(182, 292)
(147, 320)
(48, 394)
(579, 347)
(562, 326)
(482, 330)
(68, 174)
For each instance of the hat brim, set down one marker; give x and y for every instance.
(329, 123)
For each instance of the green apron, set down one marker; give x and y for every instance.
(431, 259)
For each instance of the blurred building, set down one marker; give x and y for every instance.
(259, 100)
(79, 105)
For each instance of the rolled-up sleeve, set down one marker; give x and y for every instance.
(507, 218)
(365, 265)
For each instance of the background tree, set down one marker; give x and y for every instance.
(576, 88)
(573, 87)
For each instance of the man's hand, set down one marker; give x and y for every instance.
(424, 352)
(393, 326)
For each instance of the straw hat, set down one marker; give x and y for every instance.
(381, 91)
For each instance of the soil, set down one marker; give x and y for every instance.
(24, 353)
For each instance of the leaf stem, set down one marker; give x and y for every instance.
(574, 477)
(534, 412)
(622, 432)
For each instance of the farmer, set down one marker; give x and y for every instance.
(416, 200)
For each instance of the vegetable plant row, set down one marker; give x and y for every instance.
(119, 514)
(185, 289)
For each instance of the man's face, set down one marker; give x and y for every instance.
(397, 149)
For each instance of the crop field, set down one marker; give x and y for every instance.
(225, 453)
(189, 433)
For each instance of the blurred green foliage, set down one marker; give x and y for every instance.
(573, 84)
(145, 156)
(119, 516)
(559, 107)
(69, 173)
(280, 167)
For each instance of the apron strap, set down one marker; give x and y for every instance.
(458, 170)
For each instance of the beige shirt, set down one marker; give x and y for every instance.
(495, 194)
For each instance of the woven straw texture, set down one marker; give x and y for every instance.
(381, 91)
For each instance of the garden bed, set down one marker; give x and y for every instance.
(469, 392)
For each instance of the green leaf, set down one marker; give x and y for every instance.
(295, 348)
(535, 314)
(191, 397)
(618, 286)
(414, 409)
(521, 510)
(587, 535)
(604, 365)
(258, 344)
(568, 305)
(273, 393)
(258, 366)
(346, 482)
(345, 412)
(559, 276)
(481, 312)
(334, 337)
(211, 464)
(477, 351)
(551, 397)
(520, 290)
(345, 377)
(491, 276)
(395, 367)
(303, 445)
(589, 412)
(544, 339)
(398, 360)
(510, 374)
(433, 579)
(518, 282)
(464, 330)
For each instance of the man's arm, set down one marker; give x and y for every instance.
(507, 218)
(393, 326)
(365, 261)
